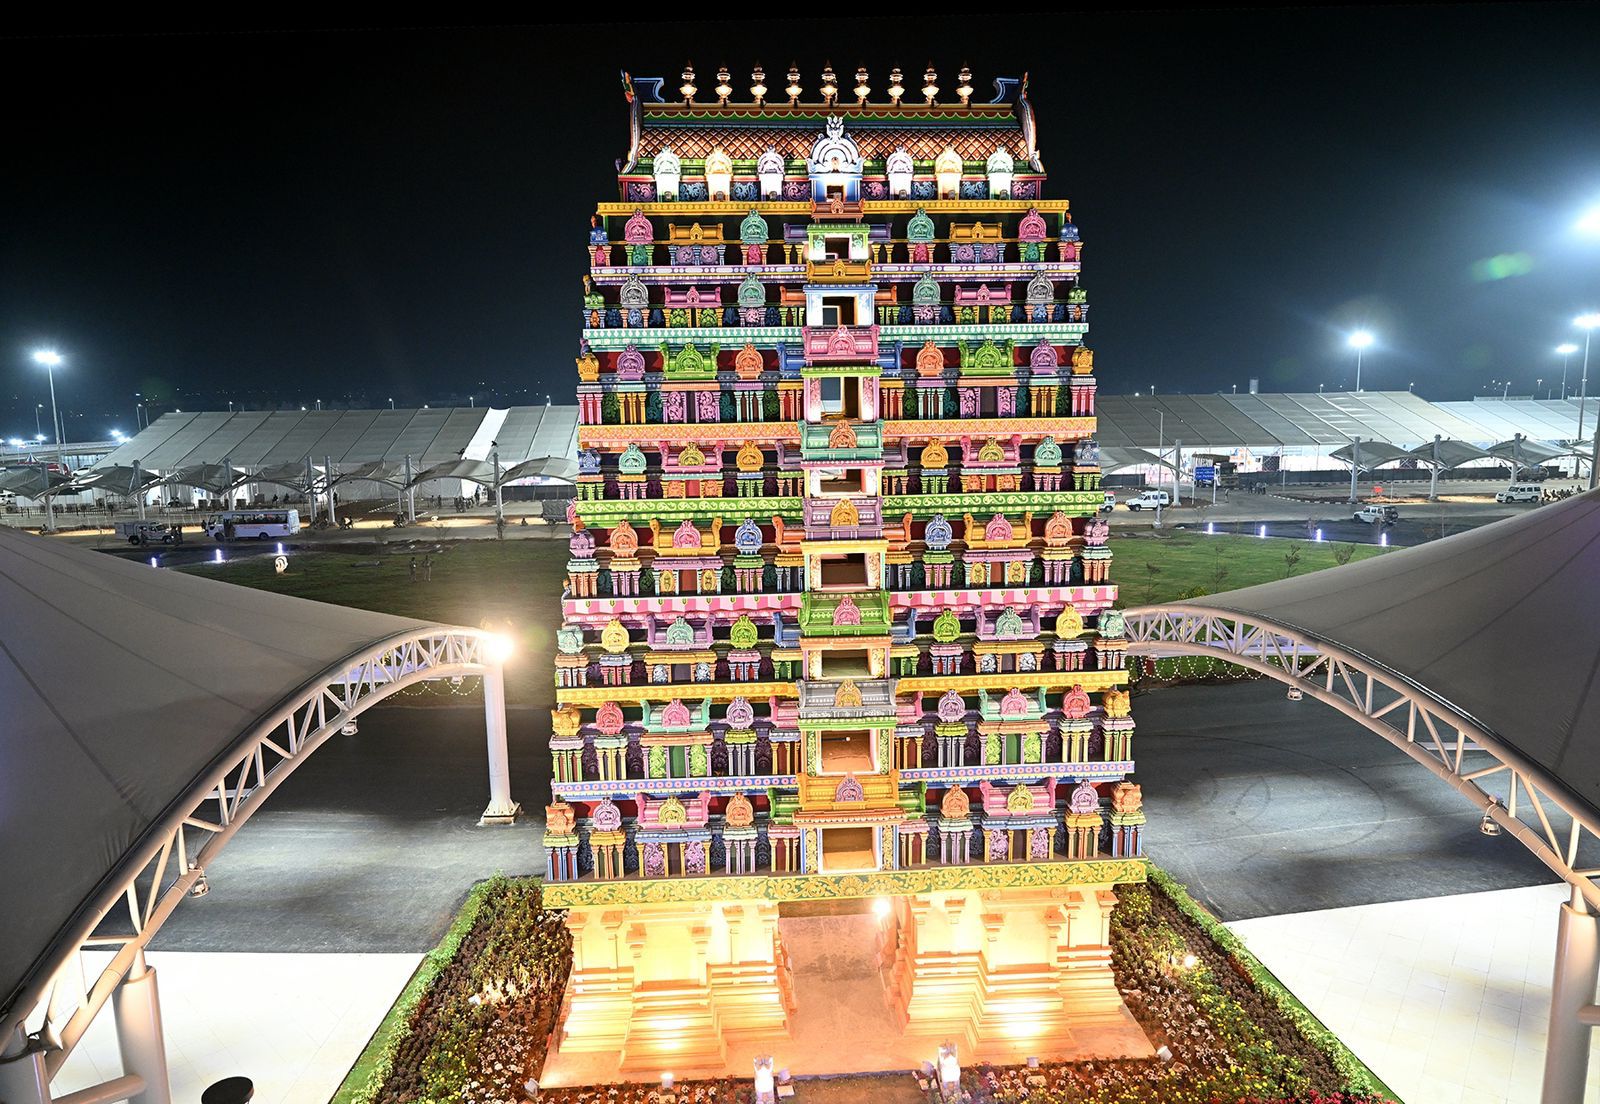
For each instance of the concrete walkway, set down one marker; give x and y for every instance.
(1447, 999)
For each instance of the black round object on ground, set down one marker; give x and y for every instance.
(230, 1090)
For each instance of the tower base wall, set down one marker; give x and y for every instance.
(699, 985)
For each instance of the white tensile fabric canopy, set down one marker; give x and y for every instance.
(1502, 623)
(123, 686)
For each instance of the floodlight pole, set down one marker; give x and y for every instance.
(1177, 468)
(1566, 1056)
(1583, 395)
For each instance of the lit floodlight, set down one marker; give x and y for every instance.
(1361, 339)
(16, 442)
(1319, 536)
(1587, 321)
(116, 434)
(1589, 221)
(47, 358)
(1566, 348)
(497, 648)
(881, 907)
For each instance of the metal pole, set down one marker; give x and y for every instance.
(411, 491)
(1358, 368)
(227, 482)
(1583, 380)
(1516, 457)
(311, 491)
(1594, 456)
(333, 513)
(138, 489)
(501, 809)
(499, 504)
(1161, 446)
(1566, 1056)
(1177, 467)
(1433, 484)
(137, 1007)
(1355, 466)
(55, 420)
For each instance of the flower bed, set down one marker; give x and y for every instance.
(474, 1022)
(1236, 1035)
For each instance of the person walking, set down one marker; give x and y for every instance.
(427, 569)
(413, 569)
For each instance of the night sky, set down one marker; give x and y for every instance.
(354, 215)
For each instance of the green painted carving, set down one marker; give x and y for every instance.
(658, 762)
(926, 292)
(1032, 749)
(743, 633)
(752, 293)
(699, 765)
(753, 230)
(946, 627)
(1047, 453)
(632, 461)
(991, 750)
(920, 227)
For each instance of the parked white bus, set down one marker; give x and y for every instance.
(253, 524)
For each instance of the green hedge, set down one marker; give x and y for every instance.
(1357, 1077)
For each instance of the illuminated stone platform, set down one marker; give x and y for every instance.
(694, 975)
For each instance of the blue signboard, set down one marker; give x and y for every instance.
(1205, 473)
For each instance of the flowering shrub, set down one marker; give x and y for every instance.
(1235, 1034)
(478, 1016)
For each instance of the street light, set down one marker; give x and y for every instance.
(1565, 351)
(51, 360)
(1587, 323)
(1360, 341)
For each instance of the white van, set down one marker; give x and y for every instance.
(1521, 492)
(1149, 500)
(1110, 502)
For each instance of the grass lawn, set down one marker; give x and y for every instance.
(474, 583)
(1152, 568)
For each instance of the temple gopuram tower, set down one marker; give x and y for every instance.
(838, 618)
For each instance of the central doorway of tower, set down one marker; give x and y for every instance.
(843, 1020)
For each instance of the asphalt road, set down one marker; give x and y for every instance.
(1261, 805)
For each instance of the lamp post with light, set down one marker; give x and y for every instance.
(1565, 351)
(1360, 341)
(1587, 323)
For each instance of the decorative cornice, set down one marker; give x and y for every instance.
(871, 207)
(1025, 680)
(821, 887)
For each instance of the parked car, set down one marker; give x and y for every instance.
(1149, 500)
(1376, 515)
(1520, 492)
(1110, 503)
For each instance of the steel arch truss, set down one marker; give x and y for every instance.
(150, 882)
(1523, 798)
